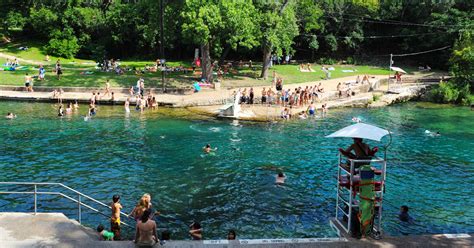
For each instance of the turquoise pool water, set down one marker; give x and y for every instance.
(160, 153)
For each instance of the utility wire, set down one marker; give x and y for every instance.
(429, 51)
(406, 23)
(384, 36)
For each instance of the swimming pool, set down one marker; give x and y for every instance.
(160, 153)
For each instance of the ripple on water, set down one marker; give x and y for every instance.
(235, 189)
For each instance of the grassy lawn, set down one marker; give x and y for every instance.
(74, 69)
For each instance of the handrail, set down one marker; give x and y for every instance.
(78, 201)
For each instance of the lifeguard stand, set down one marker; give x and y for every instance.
(348, 198)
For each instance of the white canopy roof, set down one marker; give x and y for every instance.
(360, 130)
(398, 69)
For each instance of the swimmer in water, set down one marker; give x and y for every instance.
(208, 149)
(303, 115)
(356, 119)
(76, 105)
(127, 106)
(280, 178)
(10, 116)
(60, 111)
(69, 108)
(432, 134)
(92, 110)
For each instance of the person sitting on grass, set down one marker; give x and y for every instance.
(104, 234)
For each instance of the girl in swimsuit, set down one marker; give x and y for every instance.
(69, 108)
(127, 106)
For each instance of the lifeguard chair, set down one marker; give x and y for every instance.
(360, 186)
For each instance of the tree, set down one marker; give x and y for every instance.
(278, 29)
(240, 29)
(14, 20)
(462, 60)
(63, 43)
(202, 22)
(43, 21)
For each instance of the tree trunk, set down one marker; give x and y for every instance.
(224, 55)
(206, 64)
(267, 53)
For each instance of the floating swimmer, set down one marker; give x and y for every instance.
(10, 116)
(208, 149)
(280, 178)
(356, 119)
(432, 134)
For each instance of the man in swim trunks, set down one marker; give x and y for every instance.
(311, 109)
(115, 218)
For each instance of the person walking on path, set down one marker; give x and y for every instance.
(59, 70)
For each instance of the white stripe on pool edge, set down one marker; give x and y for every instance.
(456, 235)
(274, 241)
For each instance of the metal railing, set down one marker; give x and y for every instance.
(79, 200)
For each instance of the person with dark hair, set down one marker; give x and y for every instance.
(145, 233)
(195, 231)
(104, 234)
(403, 215)
(115, 218)
(231, 235)
(280, 178)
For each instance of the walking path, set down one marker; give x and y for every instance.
(204, 98)
(56, 230)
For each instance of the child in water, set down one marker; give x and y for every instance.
(208, 149)
(10, 116)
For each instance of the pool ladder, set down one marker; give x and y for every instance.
(79, 197)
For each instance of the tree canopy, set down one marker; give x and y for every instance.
(319, 31)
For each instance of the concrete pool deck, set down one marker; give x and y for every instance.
(56, 230)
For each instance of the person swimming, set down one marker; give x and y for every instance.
(303, 115)
(69, 108)
(10, 116)
(432, 134)
(60, 111)
(76, 105)
(92, 110)
(208, 149)
(127, 106)
(356, 119)
(280, 178)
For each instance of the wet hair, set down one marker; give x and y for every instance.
(100, 228)
(280, 174)
(115, 198)
(231, 232)
(145, 216)
(9, 113)
(404, 208)
(196, 225)
(208, 146)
